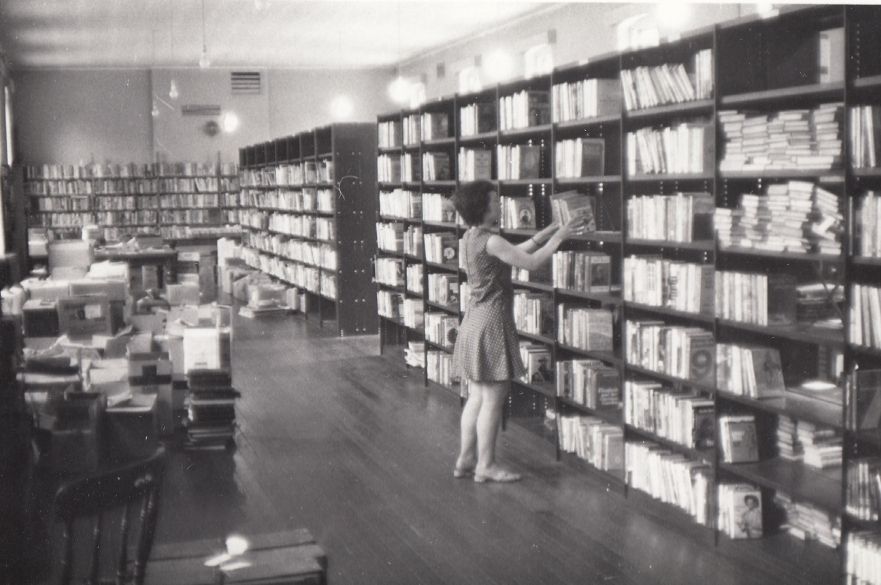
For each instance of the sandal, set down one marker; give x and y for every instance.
(497, 477)
(463, 472)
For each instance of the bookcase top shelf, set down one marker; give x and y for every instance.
(684, 108)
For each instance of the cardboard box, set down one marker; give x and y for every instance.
(206, 348)
(40, 318)
(69, 257)
(266, 295)
(186, 293)
(85, 316)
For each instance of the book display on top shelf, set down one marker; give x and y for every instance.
(670, 83)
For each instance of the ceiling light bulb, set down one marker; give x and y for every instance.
(399, 90)
(341, 107)
(499, 65)
(236, 545)
(155, 110)
(765, 9)
(204, 61)
(172, 90)
(229, 123)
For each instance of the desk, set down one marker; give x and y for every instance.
(163, 258)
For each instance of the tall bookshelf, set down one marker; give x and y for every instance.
(761, 65)
(307, 203)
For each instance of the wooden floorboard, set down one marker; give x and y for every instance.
(347, 443)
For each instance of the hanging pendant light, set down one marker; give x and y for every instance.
(204, 61)
(173, 92)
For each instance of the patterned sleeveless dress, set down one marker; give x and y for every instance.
(487, 346)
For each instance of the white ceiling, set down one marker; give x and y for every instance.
(256, 33)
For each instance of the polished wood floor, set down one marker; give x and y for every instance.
(349, 444)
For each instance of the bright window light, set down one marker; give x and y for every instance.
(229, 122)
(399, 90)
(417, 94)
(673, 15)
(469, 80)
(341, 107)
(499, 65)
(236, 545)
(538, 60)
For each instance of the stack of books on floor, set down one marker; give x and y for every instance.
(211, 421)
(807, 522)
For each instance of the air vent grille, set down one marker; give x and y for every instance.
(246, 82)
(200, 110)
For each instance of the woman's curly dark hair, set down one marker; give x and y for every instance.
(471, 200)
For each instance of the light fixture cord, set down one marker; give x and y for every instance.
(204, 47)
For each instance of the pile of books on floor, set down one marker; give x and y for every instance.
(211, 420)
(808, 522)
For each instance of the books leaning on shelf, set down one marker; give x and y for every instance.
(589, 383)
(808, 522)
(863, 390)
(477, 118)
(867, 218)
(413, 240)
(388, 168)
(519, 161)
(390, 237)
(749, 370)
(441, 329)
(399, 203)
(682, 417)
(435, 125)
(475, 164)
(439, 367)
(414, 278)
(533, 313)
(524, 109)
(413, 313)
(444, 289)
(441, 247)
(412, 126)
(538, 362)
(389, 134)
(670, 83)
(438, 208)
(390, 271)
(808, 139)
(670, 477)
(569, 205)
(579, 157)
(660, 282)
(583, 328)
(865, 316)
(740, 510)
(517, 213)
(599, 443)
(587, 98)
(684, 148)
(586, 271)
(436, 166)
(681, 217)
(863, 499)
(865, 136)
(738, 438)
(756, 298)
(687, 353)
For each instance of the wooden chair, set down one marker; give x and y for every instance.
(117, 489)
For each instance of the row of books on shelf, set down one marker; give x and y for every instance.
(443, 289)
(439, 368)
(441, 328)
(414, 279)
(53, 188)
(583, 328)
(477, 118)
(585, 271)
(209, 215)
(520, 161)
(687, 353)
(295, 273)
(865, 316)
(68, 204)
(436, 166)
(437, 207)
(806, 138)
(679, 149)
(589, 438)
(671, 284)
(411, 168)
(533, 313)
(682, 417)
(400, 203)
(579, 157)
(305, 199)
(668, 83)
(865, 136)
(776, 299)
(590, 383)
(441, 247)
(524, 109)
(290, 175)
(867, 220)
(680, 217)
(322, 255)
(133, 170)
(586, 98)
(411, 127)
(475, 164)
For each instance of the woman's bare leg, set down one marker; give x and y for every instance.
(488, 423)
(468, 452)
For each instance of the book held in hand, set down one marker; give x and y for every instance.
(570, 205)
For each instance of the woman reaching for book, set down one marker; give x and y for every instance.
(487, 351)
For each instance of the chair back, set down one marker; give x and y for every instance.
(134, 486)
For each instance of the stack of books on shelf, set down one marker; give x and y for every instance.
(590, 383)
(821, 447)
(389, 303)
(738, 438)
(412, 126)
(439, 367)
(413, 240)
(413, 313)
(390, 237)
(400, 203)
(435, 125)
(671, 477)
(414, 278)
(808, 522)
(538, 361)
(683, 148)
(599, 443)
(865, 315)
(867, 218)
(519, 161)
(390, 271)
(475, 164)
(388, 168)
(687, 353)
(444, 289)
(583, 328)
(865, 136)
(579, 157)
(670, 83)
(587, 98)
(788, 445)
(740, 510)
(389, 134)
(660, 282)
(533, 313)
(438, 208)
(682, 217)
(441, 329)
(414, 354)
(864, 488)
(436, 166)
(441, 247)
(799, 139)
(586, 271)
(681, 417)
(749, 370)
(211, 410)
(524, 109)
(325, 229)
(517, 213)
(477, 118)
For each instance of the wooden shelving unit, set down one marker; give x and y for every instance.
(323, 179)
